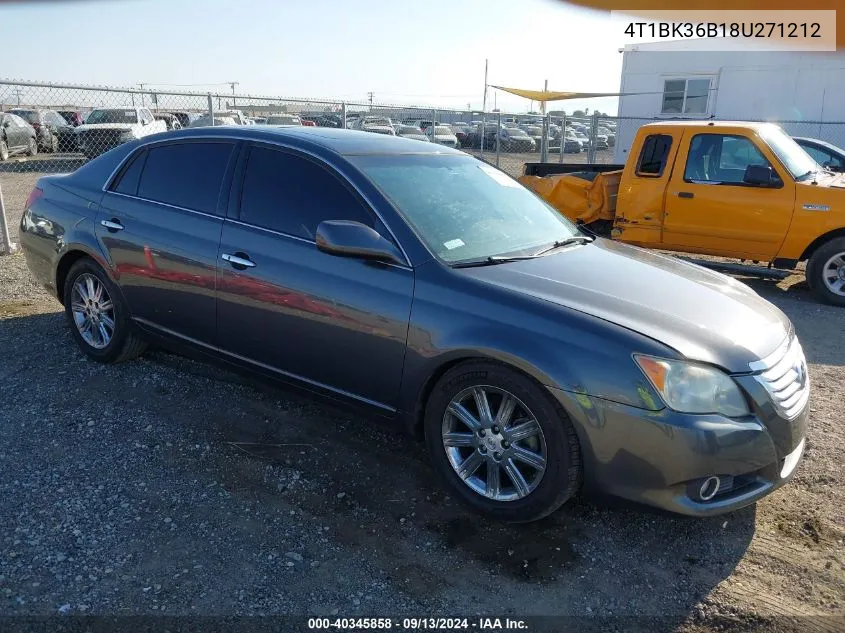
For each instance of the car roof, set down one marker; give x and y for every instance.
(820, 143)
(336, 140)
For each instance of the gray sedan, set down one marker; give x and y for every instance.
(430, 289)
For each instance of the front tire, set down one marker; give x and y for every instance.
(4, 150)
(32, 147)
(826, 272)
(501, 444)
(97, 315)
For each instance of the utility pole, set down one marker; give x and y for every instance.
(233, 84)
(142, 94)
(18, 95)
(484, 100)
(370, 95)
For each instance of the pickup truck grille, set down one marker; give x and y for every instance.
(785, 378)
(98, 141)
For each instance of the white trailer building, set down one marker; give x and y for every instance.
(802, 91)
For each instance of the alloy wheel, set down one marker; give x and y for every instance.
(500, 455)
(833, 274)
(93, 311)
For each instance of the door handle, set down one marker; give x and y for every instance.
(239, 261)
(686, 194)
(112, 225)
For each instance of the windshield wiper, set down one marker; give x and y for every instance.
(576, 239)
(492, 260)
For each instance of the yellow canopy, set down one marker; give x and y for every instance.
(552, 95)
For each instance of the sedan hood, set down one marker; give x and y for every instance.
(704, 315)
(105, 126)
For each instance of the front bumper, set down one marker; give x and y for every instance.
(661, 458)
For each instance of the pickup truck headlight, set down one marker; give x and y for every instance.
(693, 388)
(127, 135)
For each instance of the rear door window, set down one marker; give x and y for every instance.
(187, 175)
(127, 182)
(291, 194)
(654, 154)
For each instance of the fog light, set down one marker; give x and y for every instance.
(709, 488)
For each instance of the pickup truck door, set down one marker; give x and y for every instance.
(709, 209)
(639, 208)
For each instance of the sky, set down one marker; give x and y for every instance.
(426, 53)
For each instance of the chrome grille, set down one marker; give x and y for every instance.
(785, 378)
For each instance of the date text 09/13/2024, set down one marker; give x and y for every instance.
(419, 624)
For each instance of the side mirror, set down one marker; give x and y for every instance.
(760, 175)
(346, 238)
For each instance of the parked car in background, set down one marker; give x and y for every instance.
(534, 131)
(410, 131)
(443, 135)
(205, 121)
(106, 128)
(571, 145)
(260, 120)
(514, 139)
(532, 358)
(16, 136)
(322, 119)
(51, 130)
(352, 119)
(169, 119)
(184, 118)
(609, 135)
(73, 117)
(423, 124)
(376, 124)
(283, 119)
(825, 154)
(462, 131)
(601, 141)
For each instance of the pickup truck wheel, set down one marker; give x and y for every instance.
(97, 315)
(501, 444)
(826, 272)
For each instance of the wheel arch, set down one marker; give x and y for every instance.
(416, 416)
(69, 257)
(820, 241)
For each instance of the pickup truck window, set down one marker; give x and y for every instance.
(653, 156)
(721, 159)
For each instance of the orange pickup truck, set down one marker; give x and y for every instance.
(740, 190)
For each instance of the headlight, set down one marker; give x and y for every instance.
(693, 388)
(126, 136)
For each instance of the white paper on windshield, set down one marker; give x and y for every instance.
(453, 244)
(129, 113)
(495, 174)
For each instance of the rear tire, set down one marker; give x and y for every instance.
(826, 272)
(100, 342)
(32, 147)
(4, 151)
(453, 444)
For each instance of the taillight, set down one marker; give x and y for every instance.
(33, 196)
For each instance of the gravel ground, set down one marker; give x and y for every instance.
(170, 486)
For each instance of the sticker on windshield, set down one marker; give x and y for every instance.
(453, 244)
(495, 174)
(129, 113)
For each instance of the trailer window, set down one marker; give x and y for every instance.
(653, 156)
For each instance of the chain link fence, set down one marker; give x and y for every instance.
(50, 128)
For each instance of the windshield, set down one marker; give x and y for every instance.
(112, 116)
(409, 129)
(798, 162)
(463, 209)
(515, 131)
(375, 121)
(30, 116)
(282, 120)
